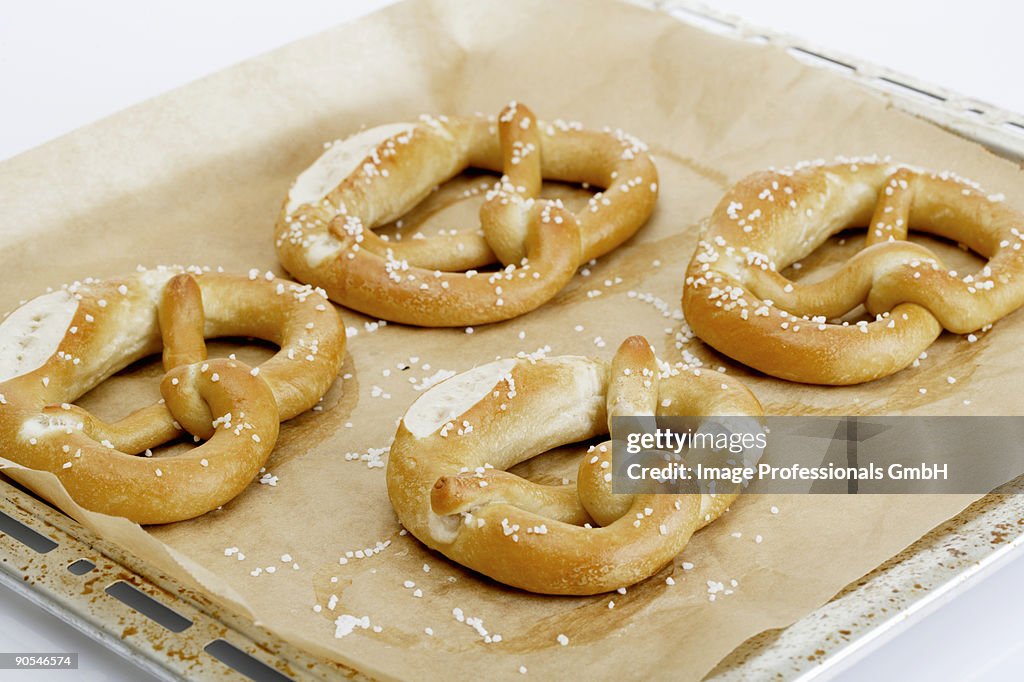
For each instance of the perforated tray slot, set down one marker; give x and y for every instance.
(37, 542)
(154, 622)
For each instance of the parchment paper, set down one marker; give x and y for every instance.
(196, 176)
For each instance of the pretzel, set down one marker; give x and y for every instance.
(325, 235)
(736, 300)
(59, 346)
(447, 481)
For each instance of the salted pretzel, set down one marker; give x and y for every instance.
(447, 480)
(60, 345)
(736, 300)
(325, 231)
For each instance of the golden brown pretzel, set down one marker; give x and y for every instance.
(325, 229)
(59, 346)
(736, 300)
(447, 480)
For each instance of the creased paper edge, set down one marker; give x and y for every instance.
(129, 536)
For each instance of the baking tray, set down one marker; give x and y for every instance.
(174, 633)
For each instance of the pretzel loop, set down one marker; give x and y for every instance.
(448, 480)
(59, 346)
(325, 231)
(737, 301)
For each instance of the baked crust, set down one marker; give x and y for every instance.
(735, 299)
(329, 241)
(236, 409)
(450, 487)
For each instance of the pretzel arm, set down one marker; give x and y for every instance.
(582, 560)
(632, 392)
(594, 482)
(845, 289)
(299, 319)
(372, 283)
(960, 304)
(630, 198)
(505, 215)
(141, 430)
(768, 338)
(467, 492)
(182, 322)
(891, 219)
(633, 381)
(380, 193)
(448, 250)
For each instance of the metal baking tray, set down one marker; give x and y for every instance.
(176, 634)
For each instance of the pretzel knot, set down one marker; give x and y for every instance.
(59, 346)
(736, 300)
(325, 230)
(447, 476)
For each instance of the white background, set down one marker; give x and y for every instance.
(64, 64)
